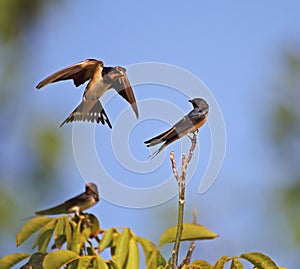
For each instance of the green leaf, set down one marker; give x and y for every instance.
(60, 227)
(155, 260)
(167, 266)
(59, 258)
(220, 264)
(190, 232)
(83, 262)
(59, 234)
(153, 256)
(259, 260)
(122, 248)
(133, 261)
(44, 236)
(107, 239)
(58, 242)
(85, 234)
(112, 265)
(200, 264)
(69, 234)
(236, 264)
(12, 259)
(101, 264)
(146, 245)
(94, 224)
(31, 227)
(78, 238)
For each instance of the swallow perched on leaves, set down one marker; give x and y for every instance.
(77, 204)
(101, 79)
(188, 124)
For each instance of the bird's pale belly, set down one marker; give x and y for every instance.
(96, 91)
(81, 207)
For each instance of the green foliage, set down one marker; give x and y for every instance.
(7, 201)
(286, 119)
(200, 264)
(260, 260)
(16, 16)
(31, 227)
(284, 131)
(152, 254)
(48, 144)
(59, 258)
(12, 259)
(191, 232)
(83, 241)
(220, 264)
(236, 264)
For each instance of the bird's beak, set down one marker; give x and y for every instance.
(191, 101)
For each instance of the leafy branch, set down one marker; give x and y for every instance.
(78, 243)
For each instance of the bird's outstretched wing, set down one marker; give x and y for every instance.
(123, 87)
(79, 72)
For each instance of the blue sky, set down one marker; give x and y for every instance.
(234, 48)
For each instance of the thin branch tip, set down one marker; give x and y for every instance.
(181, 201)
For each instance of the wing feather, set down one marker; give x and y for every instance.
(123, 87)
(79, 72)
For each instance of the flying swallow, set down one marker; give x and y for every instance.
(101, 79)
(77, 204)
(188, 124)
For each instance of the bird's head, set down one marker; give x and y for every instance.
(91, 188)
(200, 103)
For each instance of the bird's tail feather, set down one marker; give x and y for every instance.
(157, 151)
(170, 140)
(170, 135)
(97, 113)
(157, 139)
(60, 209)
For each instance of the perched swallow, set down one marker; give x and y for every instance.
(101, 79)
(188, 124)
(35, 261)
(77, 204)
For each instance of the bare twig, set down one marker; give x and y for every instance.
(181, 186)
(187, 258)
(174, 165)
(194, 143)
(183, 167)
(195, 216)
(181, 180)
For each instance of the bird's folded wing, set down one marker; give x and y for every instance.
(59, 209)
(178, 130)
(64, 207)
